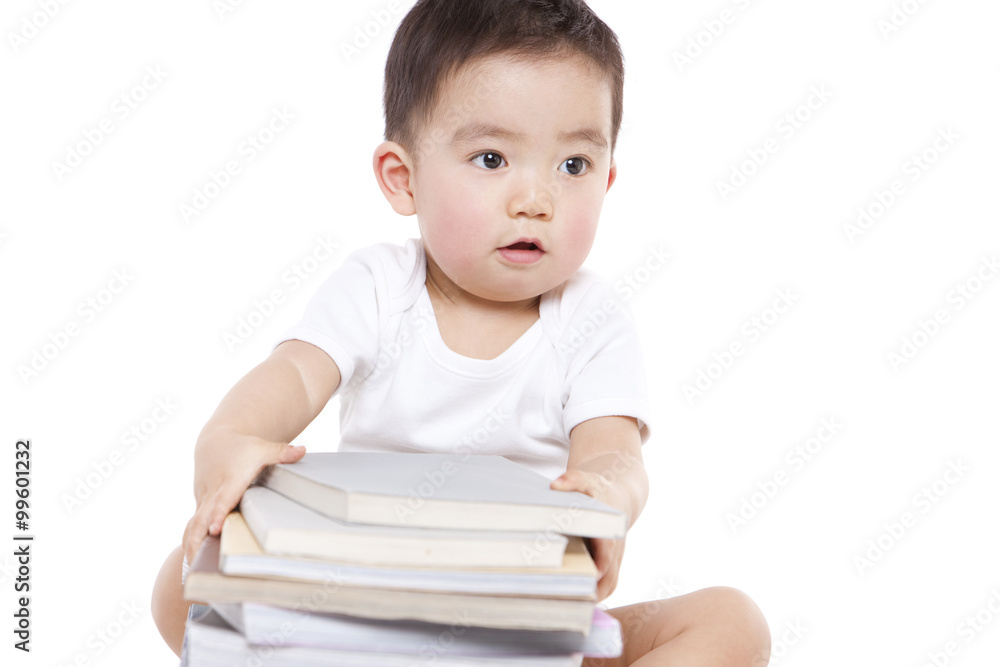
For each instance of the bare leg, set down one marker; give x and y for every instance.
(713, 627)
(168, 605)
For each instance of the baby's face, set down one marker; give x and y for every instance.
(511, 175)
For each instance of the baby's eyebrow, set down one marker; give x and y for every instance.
(587, 135)
(471, 132)
(474, 131)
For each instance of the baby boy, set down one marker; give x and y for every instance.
(485, 335)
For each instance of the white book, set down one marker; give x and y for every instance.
(455, 491)
(210, 642)
(241, 555)
(285, 527)
(204, 581)
(266, 624)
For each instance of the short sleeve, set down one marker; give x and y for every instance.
(605, 374)
(342, 318)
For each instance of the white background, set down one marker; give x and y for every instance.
(687, 127)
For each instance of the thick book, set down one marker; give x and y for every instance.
(266, 624)
(210, 642)
(285, 527)
(241, 555)
(204, 581)
(455, 491)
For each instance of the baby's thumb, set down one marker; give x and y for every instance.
(565, 482)
(291, 453)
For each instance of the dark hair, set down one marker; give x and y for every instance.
(437, 37)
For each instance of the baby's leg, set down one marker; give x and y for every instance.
(713, 627)
(168, 605)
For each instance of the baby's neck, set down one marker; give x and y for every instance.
(475, 327)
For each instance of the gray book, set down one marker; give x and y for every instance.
(257, 623)
(209, 641)
(285, 527)
(453, 491)
(205, 582)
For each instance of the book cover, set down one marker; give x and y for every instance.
(284, 527)
(266, 624)
(209, 640)
(204, 581)
(460, 491)
(241, 555)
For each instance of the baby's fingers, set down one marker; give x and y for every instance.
(607, 555)
(290, 453)
(207, 520)
(219, 507)
(574, 480)
(607, 585)
(194, 535)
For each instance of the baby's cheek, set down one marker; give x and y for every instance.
(580, 232)
(458, 232)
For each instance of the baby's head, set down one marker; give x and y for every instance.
(501, 122)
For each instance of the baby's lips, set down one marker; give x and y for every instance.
(526, 244)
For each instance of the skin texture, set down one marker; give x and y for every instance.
(514, 150)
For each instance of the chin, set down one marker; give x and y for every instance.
(511, 293)
(506, 293)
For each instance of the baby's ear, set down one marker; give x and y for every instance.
(612, 174)
(393, 171)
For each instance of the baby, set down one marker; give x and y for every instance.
(484, 335)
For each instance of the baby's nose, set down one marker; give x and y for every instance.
(534, 198)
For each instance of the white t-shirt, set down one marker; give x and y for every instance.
(403, 389)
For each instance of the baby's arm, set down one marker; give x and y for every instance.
(251, 429)
(605, 462)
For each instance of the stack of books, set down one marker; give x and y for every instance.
(358, 558)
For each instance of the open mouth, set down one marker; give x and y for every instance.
(525, 251)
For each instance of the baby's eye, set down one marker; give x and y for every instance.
(576, 166)
(489, 160)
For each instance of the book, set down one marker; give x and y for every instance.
(204, 581)
(241, 555)
(455, 491)
(210, 642)
(285, 527)
(276, 626)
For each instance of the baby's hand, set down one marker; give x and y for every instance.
(607, 553)
(224, 466)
